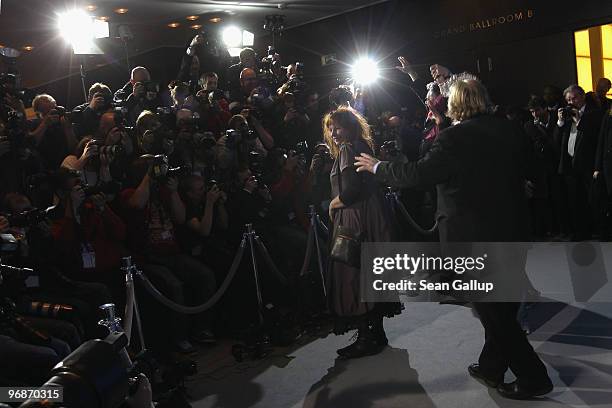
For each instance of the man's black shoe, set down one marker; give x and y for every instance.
(514, 391)
(474, 370)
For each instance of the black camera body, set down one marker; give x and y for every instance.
(150, 87)
(203, 141)
(32, 217)
(160, 170)
(111, 151)
(15, 129)
(233, 138)
(568, 112)
(108, 188)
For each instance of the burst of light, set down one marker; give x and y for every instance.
(248, 38)
(215, 20)
(80, 29)
(27, 48)
(91, 7)
(232, 37)
(364, 71)
(121, 10)
(174, 25)
(192, 18)
(196, 26)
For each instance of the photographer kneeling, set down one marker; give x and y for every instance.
(90, 237)
(153, 210)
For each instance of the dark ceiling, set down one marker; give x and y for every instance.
(33, 22)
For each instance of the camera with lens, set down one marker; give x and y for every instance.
(568, 111)
(233, 138)
(120, 116)
(9, 86)
(160, 170)
(189, 124)
(301, 148)
(150, 87)
(60, 111)
(216, 95)
(167, 117)
(204, 141)
(107, 188)
(32, 217)
(95, 375)
(112, 151)
(15, 130)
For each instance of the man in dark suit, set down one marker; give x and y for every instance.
(546, 197)
(578, 128)
(479, 167)
(603, 174)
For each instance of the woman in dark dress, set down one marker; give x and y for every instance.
(359, 205)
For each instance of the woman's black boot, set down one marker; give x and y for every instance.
(378, 332)
(364, 345)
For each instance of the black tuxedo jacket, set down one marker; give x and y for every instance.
(479, 167)
(603, 157)
(586, 144)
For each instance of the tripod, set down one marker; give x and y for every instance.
(257, 340)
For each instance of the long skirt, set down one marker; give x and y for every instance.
(372, 219)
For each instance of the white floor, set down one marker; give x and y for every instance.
(424, 366)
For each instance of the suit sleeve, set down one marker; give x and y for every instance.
(599, 155)
(351, 180)
(436, 167)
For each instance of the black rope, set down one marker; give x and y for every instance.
(411, 220)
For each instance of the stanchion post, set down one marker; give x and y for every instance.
(250, 234)
(129, 268)
(314, 224)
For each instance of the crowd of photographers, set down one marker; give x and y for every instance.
(169, 176)
(172, 176)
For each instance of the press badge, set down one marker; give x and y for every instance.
(89, 256)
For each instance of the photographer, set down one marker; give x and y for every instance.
(153, 210)
(194, 148)
(90, 235)
(209, 81)
(320, 167)
(234, 149)
(138, 74)
(204, 234)
(103, 157)
(202, 55)
(181, 96)
(17, 161)
(10, 97)
(51, 131)
(234, 73)
(86, 117)
(144, 95)
(214, 111)
(578, 129)
(545, 186)
(38, 249)
(248, 203)
(248, 82)
(155, 135)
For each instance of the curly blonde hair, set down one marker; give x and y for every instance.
(349, 119)
(467, 99)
